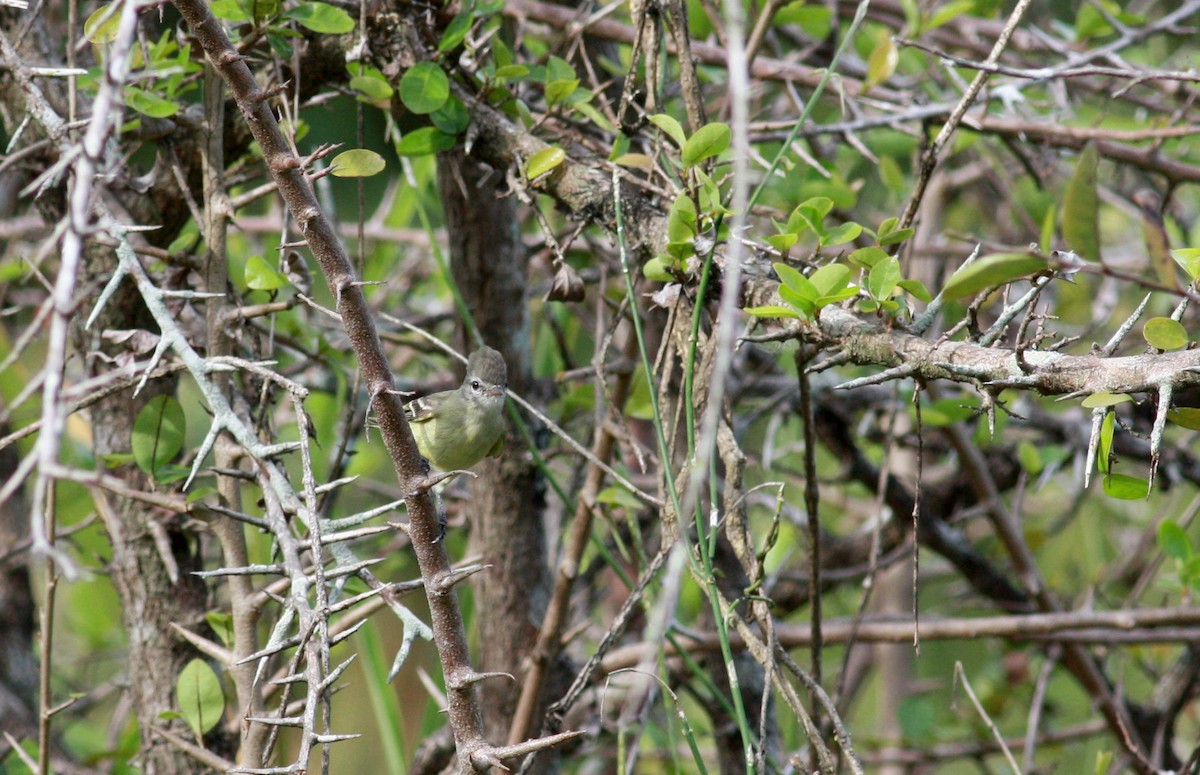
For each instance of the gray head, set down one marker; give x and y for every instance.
(487, 366)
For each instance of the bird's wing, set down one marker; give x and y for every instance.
(422, 409)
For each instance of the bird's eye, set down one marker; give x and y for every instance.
(475, 384)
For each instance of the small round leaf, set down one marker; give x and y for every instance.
(357, 163)
(1165, 333)
(424, 141)
(424, 88)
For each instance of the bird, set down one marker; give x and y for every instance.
(455, 429)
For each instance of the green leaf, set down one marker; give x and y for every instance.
(770, 311)
(656, 269)
(171, 473)
(621, 145)
(868, 258)
(222, 625)
(198, 692)
(884, 276)
(369, 82)
(261, 276)
(670, 127)
(322, 18)
(892, 176)
(991, 271)
(803, 300)
(709, 140)
(424, 88)
(357, 163)
(456, 32)
(1048, 221)
(1126, 488)
(1174, 541)
(1099, 400)
(501, 54)
(101, 24)
(948, 12)
(682, 249)
(618, 496)
(512, 71)
(916, 289)
(681, 219)
(810, 214)
(1188, 260)
(882, 62)
(264, 10)
(452, 118)
(830, 279)
(229, 10)
(424, 141)
(836, 296)
(1030, 458)
(1107, 428)
(559, 69)
(158, 433)
(148, 103)
(1081, 207)
(1185, 417)
(635, 160)
(890, 235)
(897, 236)
(840, 235)
(946, 411)
(595, 116)
(1165, 333)
(558, 91)
(791, 278)
(543, 161)
(783, 242)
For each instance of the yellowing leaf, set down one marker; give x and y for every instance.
(543, 161)
(882, 62)
(1165, 333)
(1186, 417)
(1098, 400)
(357, 163)
(637, 160)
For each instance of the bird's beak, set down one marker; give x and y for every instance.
(495, 391)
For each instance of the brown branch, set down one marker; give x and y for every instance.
(1141, 625)
(1050, 373)
(564, 17)
(549, 640)
(930, 158)
(288, 174)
